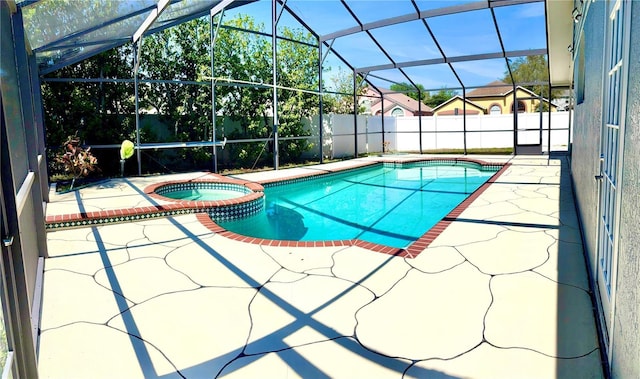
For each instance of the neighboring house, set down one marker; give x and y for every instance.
(455, 106)
(495, 98)
(395, 104)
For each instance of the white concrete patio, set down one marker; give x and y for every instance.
(501, 293)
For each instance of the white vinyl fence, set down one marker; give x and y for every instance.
(402, 134)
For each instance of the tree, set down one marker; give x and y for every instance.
(101, 113)
(533, 68)
(440, 97)
(180, 53)
(248, 57)
(342, 101)
(297, 68)
(402, 87)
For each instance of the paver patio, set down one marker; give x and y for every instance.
(501, 293)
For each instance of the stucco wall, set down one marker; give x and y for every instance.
(587, 123)
(626, 334)
(505, 102)
(625, 349)
(449, 109)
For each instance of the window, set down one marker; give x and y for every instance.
(495, 109)
(397, 112)
(521, 107)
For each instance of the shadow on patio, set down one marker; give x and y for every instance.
(501, 293)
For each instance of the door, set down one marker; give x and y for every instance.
(611, 148)
(528, 127)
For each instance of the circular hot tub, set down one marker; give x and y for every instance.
(202, 191)
(223, 199)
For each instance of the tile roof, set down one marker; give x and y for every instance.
(495, 88)
(402, 100)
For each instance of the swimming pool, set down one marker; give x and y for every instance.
(386, 204)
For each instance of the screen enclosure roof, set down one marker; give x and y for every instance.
(457, 44)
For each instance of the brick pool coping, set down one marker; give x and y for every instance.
(411, 251)
(203, 208)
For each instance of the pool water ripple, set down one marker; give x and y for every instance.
(381, 204)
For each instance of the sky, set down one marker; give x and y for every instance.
(522, 27)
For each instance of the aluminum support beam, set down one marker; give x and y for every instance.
(122, 40)
(78, 58)
(477, 5)
(213, 34)
(462, 58)
(229, 27)
(212, 41)
(136, 65)
(274, 61)
(283, 3)
(453, 70)
(320, 105)
(220, 7)
(514, 110)
(541, 120)
(382, 119)
(151, 18)
(328, 50)
(355, 115)
(56, 44)
(464, 120)
(293, 14)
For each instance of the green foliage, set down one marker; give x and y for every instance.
(101, 113)
(95, 109)
(401, 87)
(104, 113)
(342, 102)
(178, 53)
(440, 97)
(248, 57)
(533, 68)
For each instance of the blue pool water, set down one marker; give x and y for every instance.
(384, 205)
(203, 194)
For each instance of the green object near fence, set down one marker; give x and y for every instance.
(126, 150)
